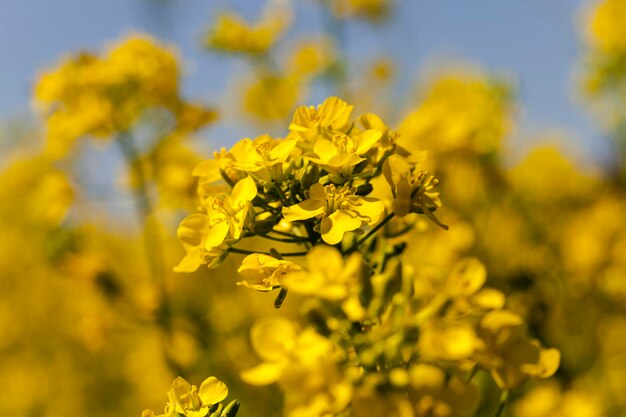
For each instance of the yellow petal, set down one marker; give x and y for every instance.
(370, 209)
(216, 235)
(190, 230)
(209, 169)
(191, 261)
(283, 149)
(263, 374)
(212, 391)
(366, 140)
(466, 277)
(324, 149)
(244, 191)
(336, 225)
(305, 210)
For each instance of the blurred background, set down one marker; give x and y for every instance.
(519, 104)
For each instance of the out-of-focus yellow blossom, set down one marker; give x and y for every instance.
(606, 26)
(338, 208)
(547, 176)
(49, 192)
(189, 401)
(548, 400)
(369, 9)
(312, 57)
(447, 341)
(412, 188)
(333, 279)
(103, 95)
(303, 363)
(327, 119)
(368, 402)
(438, 396)
(459, 112)
(272, 97)
(264, 272)
(168, 165)
(232, 33)
(509, 354)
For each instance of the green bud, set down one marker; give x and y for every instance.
(364, 189)
(263, 227)
(231, 409)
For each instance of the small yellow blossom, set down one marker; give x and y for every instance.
(264, 272)
(228, 213)
(333, 278)
(412, 189)
(264, 157)
(193, 234)
(329, 118)
(272, 97)
(338, 208)
(233, 34)
(341, 153)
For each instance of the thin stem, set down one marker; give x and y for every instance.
(152, 241)
(280, 239)
(503, 399)
(247, 252)
(371, 233)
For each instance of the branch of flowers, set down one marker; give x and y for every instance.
(371, 233)
(248, 252)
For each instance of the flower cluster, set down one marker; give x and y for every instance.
(309, 187)
(102, 96)
(384, 331)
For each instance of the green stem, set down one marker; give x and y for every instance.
(371, 233)
(152, 241)
(503, 399)
(247, 252)
(284, 240)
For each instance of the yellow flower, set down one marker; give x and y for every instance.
(438, 395)
(264, 272)
(338, 208)
(327, 275)
(303, 363)
(368, 9)
(509, 354)
(312, 57)
(103, 95)
(460, 111)
(193, 233)
(341, 153)
(193, 402)
(264, 157)
(233, 34)
(330, 117)
(606, 26)
(412, 189)
(230, 212)
(272, 97)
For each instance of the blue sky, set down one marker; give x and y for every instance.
(534, 42)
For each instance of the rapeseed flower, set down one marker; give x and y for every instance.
(339, 210)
